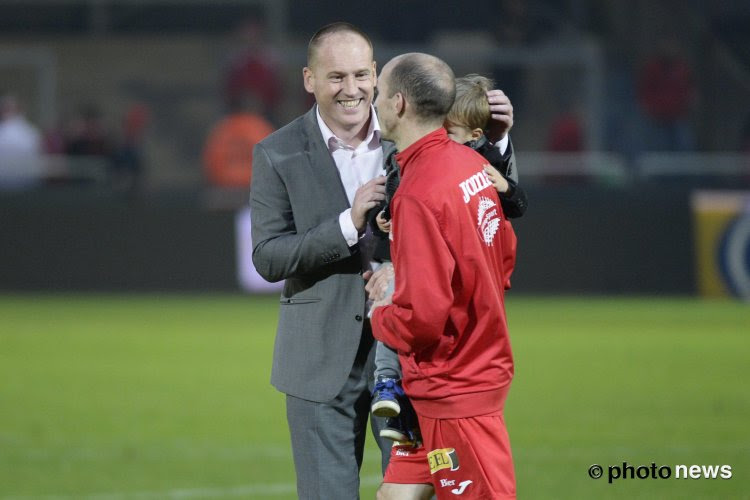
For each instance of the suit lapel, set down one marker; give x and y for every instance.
(321, 162)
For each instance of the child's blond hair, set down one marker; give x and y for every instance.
(471, 108)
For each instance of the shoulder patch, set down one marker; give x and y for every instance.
(488, 220)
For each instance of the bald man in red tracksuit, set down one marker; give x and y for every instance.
(447, 319)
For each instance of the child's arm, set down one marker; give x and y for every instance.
(514, 201)
(512, 197)
(503, 173)
(381, 212)
(498, 181)
(383, 225)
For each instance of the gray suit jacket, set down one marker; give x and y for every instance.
(296, 198)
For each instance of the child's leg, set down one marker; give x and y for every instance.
(386, 362)
(388, 392)
(389, 396)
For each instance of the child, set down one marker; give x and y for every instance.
(465, 123)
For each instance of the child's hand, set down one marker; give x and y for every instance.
(498, 181)
(383, 225)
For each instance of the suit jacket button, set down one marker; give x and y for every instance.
(358, 317)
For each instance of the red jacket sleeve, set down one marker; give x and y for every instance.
(424, 268)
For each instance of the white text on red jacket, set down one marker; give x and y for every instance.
(474, 184)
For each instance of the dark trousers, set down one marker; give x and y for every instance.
(328, 439)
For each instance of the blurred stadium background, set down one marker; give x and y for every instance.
(135, 339)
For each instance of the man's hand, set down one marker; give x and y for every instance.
(379, 282)
(385, 301)
(502, 115)
(367, 196)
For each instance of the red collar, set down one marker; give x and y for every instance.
(429, 141)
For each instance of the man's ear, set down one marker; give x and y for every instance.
(400, 104)
(374, 74)
(308, 79)
(476, 134)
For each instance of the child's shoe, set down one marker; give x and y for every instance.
(385, 397)
(403, 428)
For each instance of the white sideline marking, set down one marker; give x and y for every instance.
(248, 490)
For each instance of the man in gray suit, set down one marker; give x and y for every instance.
(313, 182)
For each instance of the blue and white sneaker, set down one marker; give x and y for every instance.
(403, 428)
(385, 397)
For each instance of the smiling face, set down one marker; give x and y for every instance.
(342, 78)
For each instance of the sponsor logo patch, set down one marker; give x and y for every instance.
(461, 487)
(443, 458)
(474, 184)
(488, 220)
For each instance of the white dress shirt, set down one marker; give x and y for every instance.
(361, 164)
(356, 167)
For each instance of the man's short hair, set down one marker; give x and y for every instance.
(330, 29)
(426, 82)
(471, 108)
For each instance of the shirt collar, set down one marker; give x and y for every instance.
(372, 140)
(435, 138)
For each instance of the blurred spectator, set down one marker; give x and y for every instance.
(528, 22)
(513, 28)
(253, 75)
(128, 158)
(566, 134)
(20, 146)
(87, 135)
(228, 153)
(53, 139)
(520, 23)
(667, 93)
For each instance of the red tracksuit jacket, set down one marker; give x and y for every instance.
(450, 244)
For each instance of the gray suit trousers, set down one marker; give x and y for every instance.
(327, 454)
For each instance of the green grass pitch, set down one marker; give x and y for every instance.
(149, 396)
